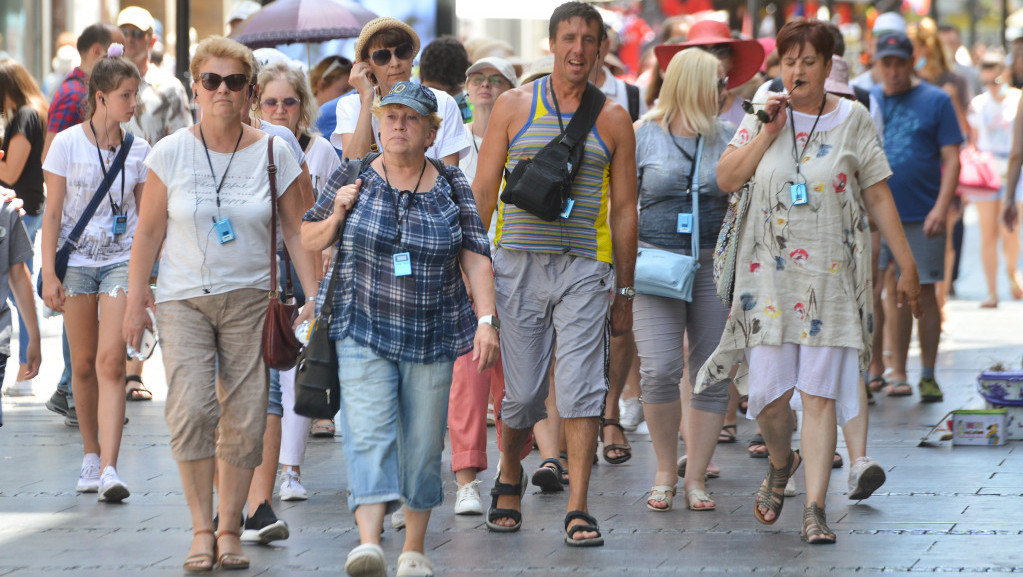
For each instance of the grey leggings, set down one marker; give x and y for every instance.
(660, 324)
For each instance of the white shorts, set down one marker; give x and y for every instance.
(829, 372)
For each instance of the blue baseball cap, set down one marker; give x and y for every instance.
(894, 44)
(415, 96)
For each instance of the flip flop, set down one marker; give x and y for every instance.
(758, 440)
(727, 434)
(880, 380)
(899, 389)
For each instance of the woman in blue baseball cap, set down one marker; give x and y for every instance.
(408, 227)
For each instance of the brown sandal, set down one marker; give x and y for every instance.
(767, 497)
(815, 526)
(201, 562)
(625, 448)
(231, 561)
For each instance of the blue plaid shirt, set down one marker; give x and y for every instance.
(423, 317)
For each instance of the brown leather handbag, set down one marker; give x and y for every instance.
(280, 345)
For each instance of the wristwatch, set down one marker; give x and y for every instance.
(491, 320)
(627, 292)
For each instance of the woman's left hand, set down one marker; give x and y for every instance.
(486, 347)
(306, 313)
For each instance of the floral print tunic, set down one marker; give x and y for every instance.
(803, 271)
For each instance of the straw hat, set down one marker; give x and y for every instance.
(383, 23)
(747, 55)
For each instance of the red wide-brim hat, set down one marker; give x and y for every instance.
(747, 55)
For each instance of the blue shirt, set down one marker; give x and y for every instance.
(423, 317)
(327, 122)
(917, 124)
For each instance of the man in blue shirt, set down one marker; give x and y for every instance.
(921, 140)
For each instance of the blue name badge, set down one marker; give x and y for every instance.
(120, 224)
(685, 223)
(402, 264)
(225, 232)
(798, 191)
(567, 211)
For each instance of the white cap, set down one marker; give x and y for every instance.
(137, 17)
(500, 64)
(889, 22)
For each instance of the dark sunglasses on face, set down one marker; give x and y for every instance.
(271, 103)
(132, 32)
(212, 81)
(383, 56)
(493, 79)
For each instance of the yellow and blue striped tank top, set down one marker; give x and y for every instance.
(586, 232)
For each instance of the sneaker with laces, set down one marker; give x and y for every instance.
(930, 392)
(111, 488)
(291, 486)
(467, 501)
(88, 480)
(865, 476)
(398, 519)
(58, 403)
(263, 526)
(632, 414)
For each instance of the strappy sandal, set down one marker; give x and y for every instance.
(661, 495)
(625, 448)
(727, 434)
(231, 561)
(494, 513)
(767, 496)
(696, 496)
(815, 526)
(201, 562)
(876, 383)
(548, 476)
(590, 524)
(136, 392)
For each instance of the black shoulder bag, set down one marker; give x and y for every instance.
(317, 388)
(71, 243)
(541, 185)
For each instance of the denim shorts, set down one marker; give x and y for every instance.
(393, 416)
(274, 406)
(89, 280)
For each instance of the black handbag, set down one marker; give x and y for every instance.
(541, 185)
(317, 388)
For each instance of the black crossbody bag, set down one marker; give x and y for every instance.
(541, 185)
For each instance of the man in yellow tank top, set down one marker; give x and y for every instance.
(554, 279)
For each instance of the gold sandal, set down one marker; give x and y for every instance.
(201, 562)
(767, 497)
(815, 526)
(231, 561)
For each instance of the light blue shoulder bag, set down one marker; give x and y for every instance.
(664, 273)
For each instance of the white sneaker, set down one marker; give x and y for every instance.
(366, 560)
(88, 480)
(19, 389)
(467, 502)
(111, 488)
(291, 486)
(398, 519)
(414, 564)
(632, 414)
(865, 476)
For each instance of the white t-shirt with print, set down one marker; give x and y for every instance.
(322, 160)
(450, 139)
(75, 158)
(194, 262)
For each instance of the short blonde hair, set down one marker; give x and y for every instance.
(220, 47)
(296, 79)
(689, 91)
(433, 118)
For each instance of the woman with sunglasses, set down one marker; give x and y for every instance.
(801, 321)
(209, 206)
(682, 125)
(92, 293)
(384, 54)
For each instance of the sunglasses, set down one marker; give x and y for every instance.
(212, 81)
(761, 114)
(338, 63)
(133, 33)
(493, 79)
(381, 57)
(271, 103)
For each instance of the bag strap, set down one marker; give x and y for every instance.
(695, 191)
(584, 117)
(354, 169)
(104, 186)
(271, 170)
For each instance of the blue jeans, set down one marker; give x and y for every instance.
(393, 416)
(32, 226)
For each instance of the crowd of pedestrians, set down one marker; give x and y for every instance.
(812, 216)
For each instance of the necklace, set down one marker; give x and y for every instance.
(398, 201)
(795, 145)
(103, 165)
(210, 161)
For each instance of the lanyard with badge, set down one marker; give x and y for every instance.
(685, 219)
(798, 188)
(402, 259)
(225, 232)
(120, 225)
